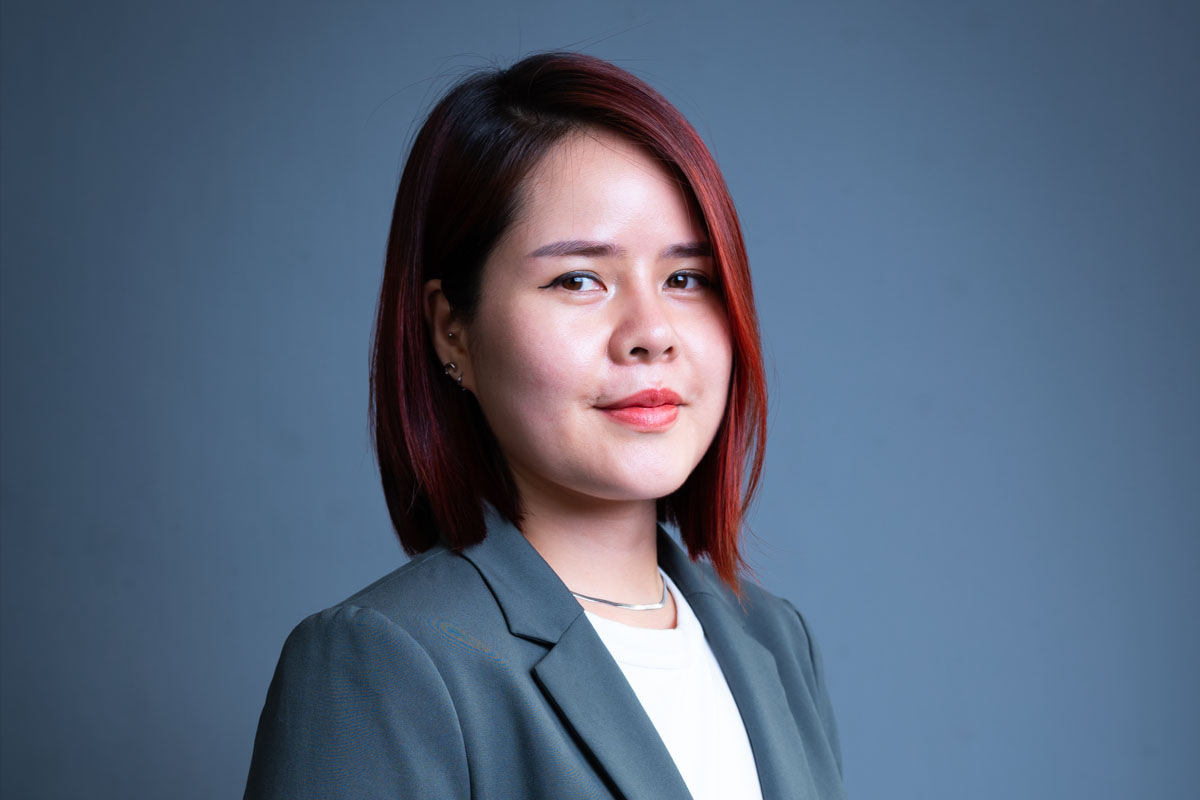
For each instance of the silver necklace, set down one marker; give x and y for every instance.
(628, 606)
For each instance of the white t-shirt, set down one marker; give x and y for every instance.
(681, 686)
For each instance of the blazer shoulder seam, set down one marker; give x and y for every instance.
(409, 566)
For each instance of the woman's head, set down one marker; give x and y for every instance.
(563, 237)
(598, 349)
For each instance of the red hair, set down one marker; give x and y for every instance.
(459, 192)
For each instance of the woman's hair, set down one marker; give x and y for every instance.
(459, 193)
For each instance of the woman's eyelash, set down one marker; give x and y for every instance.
(702, 279)
(561, 280)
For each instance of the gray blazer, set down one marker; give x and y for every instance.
(477, 675)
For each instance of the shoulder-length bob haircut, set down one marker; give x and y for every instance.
(459, 192)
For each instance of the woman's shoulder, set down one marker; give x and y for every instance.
(421, 583)
(407, 604)
(358, 700)
(763, 613)
(771, 615)
(773, 621)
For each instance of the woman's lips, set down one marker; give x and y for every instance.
(641, 418)
(649, 410)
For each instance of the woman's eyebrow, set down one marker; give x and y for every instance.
(688, 250)
(580, 247)
(577, 247)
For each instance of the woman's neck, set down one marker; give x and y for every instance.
(602, 549)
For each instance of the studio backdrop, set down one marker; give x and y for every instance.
(974, 230)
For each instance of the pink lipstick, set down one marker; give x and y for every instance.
(648, 411)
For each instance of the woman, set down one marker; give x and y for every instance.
(566, 355)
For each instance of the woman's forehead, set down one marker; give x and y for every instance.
(594, 183)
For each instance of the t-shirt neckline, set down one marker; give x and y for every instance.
(654, 648)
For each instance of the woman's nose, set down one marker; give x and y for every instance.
(643, 331)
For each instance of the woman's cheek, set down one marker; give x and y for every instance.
(527, 388)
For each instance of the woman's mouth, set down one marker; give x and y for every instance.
(647, 411)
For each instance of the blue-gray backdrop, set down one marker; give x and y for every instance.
(974, 233)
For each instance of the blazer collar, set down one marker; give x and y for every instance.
(538, 605)
(581, 678)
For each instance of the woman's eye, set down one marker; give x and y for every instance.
(577, 282)
(688, 280)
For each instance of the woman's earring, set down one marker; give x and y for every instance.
(451, 368)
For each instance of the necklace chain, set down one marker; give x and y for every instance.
(629, 606)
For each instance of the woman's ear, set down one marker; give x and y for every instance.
(448, 335)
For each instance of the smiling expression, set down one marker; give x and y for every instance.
(600, 352)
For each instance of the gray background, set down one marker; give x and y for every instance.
(974, 232)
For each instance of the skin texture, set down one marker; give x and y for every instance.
(558, 337)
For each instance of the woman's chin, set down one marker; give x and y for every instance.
(634, 485)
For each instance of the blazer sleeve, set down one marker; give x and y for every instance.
(821, 691)
(357, 709)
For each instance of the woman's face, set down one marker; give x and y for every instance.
(600, 352)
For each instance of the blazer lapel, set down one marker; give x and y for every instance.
(590, 690)
(752, 676)
(578, 674)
